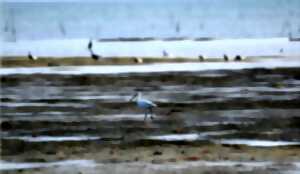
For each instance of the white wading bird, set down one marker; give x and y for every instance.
(144, 104)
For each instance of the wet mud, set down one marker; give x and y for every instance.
(49, 118)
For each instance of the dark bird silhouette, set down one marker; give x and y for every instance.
(165, 53)
(238, 58)
(281, 50)
(95, 56)
(201, 58)
(225, 58)
(177, 27)
(138, 60)
(62, 28)
(90, 45)
(31, 57)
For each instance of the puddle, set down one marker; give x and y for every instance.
(4, 165)
(53, 138)
(217, 133)
(11, 104)
(256, 143)
(176, 137)
(224, 123)
(70, 118)
(189, 137)
(119, 117)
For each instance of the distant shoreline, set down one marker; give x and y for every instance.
(140, 39)
(23, 61)
(125, 65)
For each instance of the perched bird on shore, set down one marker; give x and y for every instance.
(138, 60)
(31, 57)
(281, 50)
(94, 56)
(201, 58)
(165, 53)
(144, 104)
(238, 58)
(177, 27)
(225, 57)
(90, 45)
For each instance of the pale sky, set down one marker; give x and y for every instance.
(44, 0)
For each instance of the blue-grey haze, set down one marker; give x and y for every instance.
(150, 18)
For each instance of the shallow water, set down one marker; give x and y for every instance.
(139, 167)
(186, 48)
(158, 68)
(4, 165)
(36, 20)
(257, 143)
(53, 138)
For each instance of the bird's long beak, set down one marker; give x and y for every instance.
(133, 97)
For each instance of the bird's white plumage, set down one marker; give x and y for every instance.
(32, 57)
(144, 104)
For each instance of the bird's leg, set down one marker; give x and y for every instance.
(151, 112)
(146, 113)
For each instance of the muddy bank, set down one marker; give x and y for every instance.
(80, 61)
(249, 115)
(122, 149)
(23, 61)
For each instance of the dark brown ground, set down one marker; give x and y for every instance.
(246, 104)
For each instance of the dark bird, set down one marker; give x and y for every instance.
(225, 58)
(90, 45)
(281, 50)
(238, 58)
(201, 58)
(165, 53)
(31, 57)
(138, 60)
(95, 56)
(177, 27)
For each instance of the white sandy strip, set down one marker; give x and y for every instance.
(4, 165)
(159, 67)
(53, 138)
(256, 143)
